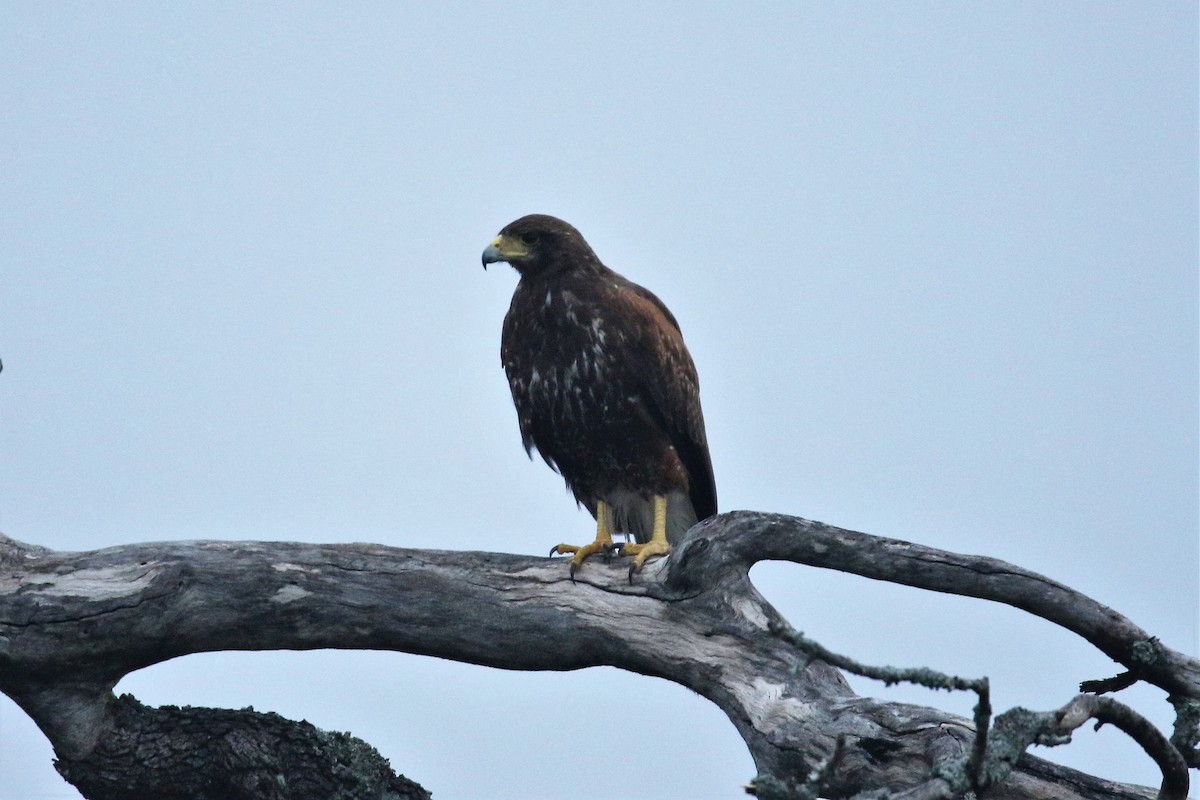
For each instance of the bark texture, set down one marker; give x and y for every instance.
(174, 753)
(72, 624)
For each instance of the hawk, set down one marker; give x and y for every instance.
(605, 390)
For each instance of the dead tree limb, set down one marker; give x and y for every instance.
(72, 624)
(783, 538)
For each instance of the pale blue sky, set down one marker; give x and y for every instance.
(936, 263)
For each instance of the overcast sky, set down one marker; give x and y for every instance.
(936, 264)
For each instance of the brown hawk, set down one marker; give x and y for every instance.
(605, 390)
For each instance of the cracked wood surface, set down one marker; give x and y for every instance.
(72, 624)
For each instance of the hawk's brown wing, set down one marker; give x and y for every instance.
(671, 388)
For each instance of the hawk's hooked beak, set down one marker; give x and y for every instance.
(503, 249)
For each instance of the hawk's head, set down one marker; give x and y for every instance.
(540, 244)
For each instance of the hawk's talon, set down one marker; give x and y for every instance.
(603, 543)
(581, 553)
(644, 552)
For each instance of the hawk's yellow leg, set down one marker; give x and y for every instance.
(658, 544)
(603, 543)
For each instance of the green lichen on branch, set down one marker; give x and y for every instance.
(1148, 653)
(1186, 735)
(922, 676)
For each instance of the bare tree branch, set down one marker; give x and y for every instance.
(780, 537)
(1105, 710)
(72, 624)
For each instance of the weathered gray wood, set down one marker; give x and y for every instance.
(72, 624)
(750, 538)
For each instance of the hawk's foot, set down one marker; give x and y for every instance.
(643, 552)
(604, 546)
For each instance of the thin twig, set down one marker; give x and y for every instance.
(922, 676)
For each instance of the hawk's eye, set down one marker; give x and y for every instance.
(529, 238)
